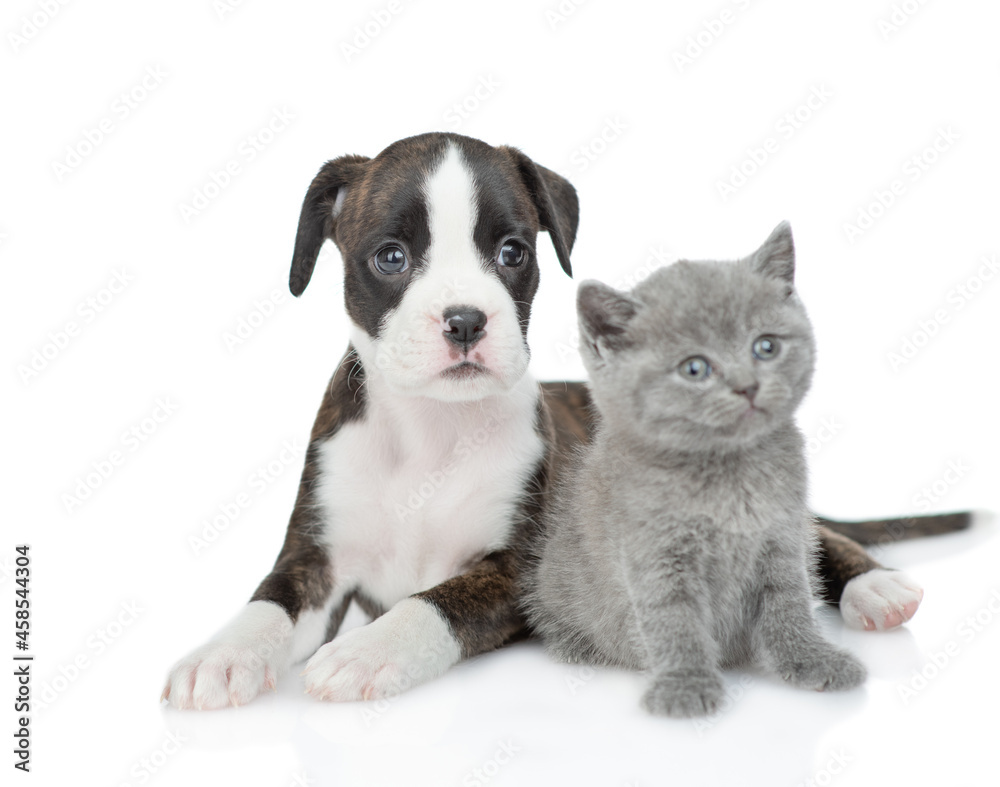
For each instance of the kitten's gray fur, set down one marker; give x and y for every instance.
(681, 542)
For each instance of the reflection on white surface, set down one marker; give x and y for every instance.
(515, 717)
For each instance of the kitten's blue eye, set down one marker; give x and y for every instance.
(766, 348)
(695, 368)
(391, 259)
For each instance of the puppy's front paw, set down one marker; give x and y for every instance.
(241, 662)
(833, 670)
(879, 600)
(684, 694)
(409, 644)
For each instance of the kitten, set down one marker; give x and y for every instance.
(681, 542)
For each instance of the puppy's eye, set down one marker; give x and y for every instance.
(511, 255)
(391, 259)
(695, 368)
(766, 348)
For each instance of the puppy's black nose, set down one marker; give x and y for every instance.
(466, 326)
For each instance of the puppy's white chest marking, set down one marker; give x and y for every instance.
(412, 497)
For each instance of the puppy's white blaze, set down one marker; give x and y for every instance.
(411, 350)
(338, 203)
(452, 213)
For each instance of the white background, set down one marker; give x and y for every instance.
(553, 82)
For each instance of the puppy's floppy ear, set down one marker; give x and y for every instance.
(556, 203)
(318, 218)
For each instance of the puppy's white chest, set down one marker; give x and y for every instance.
(406, 506)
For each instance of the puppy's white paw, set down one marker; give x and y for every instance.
(409, 644)
(238, 664)
(880, 600)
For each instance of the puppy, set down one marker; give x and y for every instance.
(433, 451)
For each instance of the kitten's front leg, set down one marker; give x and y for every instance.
(665, 578)
(788, 637)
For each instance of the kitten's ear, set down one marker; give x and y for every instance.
(776, 258)
(604, 313)
(318, 217)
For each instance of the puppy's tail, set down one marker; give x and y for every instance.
(887, 531)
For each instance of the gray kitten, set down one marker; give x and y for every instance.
(681, 541)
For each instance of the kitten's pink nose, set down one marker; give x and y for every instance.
(749, 391)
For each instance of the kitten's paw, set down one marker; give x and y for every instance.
(239, 664)
(409, 644)
(880, 599)
(685, 694)
(834, 670)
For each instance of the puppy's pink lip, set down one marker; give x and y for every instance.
(465, 370)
